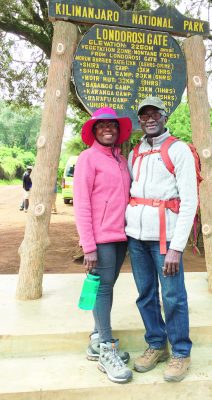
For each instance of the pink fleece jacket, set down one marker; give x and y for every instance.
(101, 194)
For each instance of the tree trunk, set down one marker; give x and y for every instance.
(201, 136)
(36, 240)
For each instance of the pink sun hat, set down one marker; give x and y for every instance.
(125, 125)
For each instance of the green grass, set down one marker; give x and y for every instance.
(4, 182)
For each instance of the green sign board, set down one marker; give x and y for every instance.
(118, 67)
(165, 18)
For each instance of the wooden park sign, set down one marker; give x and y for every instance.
(119, 67)
(107, 12)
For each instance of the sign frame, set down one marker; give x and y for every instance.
(164, 18)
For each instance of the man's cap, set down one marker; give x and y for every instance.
(151, 101)
(29, 167)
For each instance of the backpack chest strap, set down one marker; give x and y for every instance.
(172, 204)
(141, 156)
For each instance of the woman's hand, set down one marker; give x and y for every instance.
(90, 260)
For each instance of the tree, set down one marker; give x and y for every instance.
(28, 21)
(13, 162)
(19, 126)
(36, 240)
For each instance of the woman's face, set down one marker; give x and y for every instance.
(106, 132)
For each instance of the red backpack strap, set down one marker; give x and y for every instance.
(135, 153)
(165, 155)
(197, 163)
(141, 155)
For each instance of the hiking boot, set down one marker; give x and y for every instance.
(111, 364)
(176, 369)
(93, 349)
(149, 359)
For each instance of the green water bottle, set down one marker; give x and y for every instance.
(89, 291)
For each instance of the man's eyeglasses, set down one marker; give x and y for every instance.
(106, 124)
(156, 116)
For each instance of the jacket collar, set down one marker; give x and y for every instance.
(156, 141)
(105, 149)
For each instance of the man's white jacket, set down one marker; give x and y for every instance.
(156, 182)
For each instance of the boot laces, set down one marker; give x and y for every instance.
(148, 353)
(113, 358)
(176, 362)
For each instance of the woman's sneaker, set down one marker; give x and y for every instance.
(111, 363)
(93, 349)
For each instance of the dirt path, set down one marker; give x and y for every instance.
(63, 236)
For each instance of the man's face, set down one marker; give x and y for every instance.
(153, 121)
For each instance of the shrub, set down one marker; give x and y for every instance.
(13, 162)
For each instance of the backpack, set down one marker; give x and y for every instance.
(170, 166)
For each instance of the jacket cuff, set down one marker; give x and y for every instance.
(176, 248)
(89, 249)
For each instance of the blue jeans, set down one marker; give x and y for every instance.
(147, 264)
(110, 259)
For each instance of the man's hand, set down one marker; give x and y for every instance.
(90, 260)
(172, 262)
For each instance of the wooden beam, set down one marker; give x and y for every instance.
(201, 136)
(36, 239)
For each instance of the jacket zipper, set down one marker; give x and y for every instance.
(144, 192)
(103, 216)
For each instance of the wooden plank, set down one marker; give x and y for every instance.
(201, 136)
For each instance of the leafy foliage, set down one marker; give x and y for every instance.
(180, 124)
(28, 20)
(75, 145)
(19, 126)
(14, 161)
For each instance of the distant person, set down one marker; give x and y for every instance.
(159, 219)
(101, 194)
(27, 184)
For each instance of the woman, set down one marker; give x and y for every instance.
(101, 194)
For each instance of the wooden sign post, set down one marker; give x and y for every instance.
(33, 247)
(201, 136)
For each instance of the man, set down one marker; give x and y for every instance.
(160, 215)
(27, 184)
